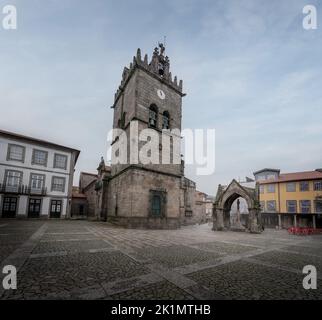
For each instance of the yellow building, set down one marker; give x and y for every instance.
(294, 198)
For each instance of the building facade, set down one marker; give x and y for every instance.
(86, 187)
(36, 177)
(209, 205)
(79, 207)
(291, 199)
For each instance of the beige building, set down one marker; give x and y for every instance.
(291, 199)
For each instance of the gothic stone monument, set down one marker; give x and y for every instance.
(222, 206)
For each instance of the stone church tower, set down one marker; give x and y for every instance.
(148, 195)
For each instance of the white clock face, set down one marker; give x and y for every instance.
(161, 94)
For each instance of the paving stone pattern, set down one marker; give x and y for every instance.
(61, 259)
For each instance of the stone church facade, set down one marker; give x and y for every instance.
(147, 195)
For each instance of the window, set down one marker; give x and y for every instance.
(60, 161)
(13, 180)
(291, 187)
(165, 120)
(261, 177)
(318, 206)
(188, 213)
(262, 203)
(121, 122)
(37, 181)
(271, 188)
(271, 206)
(156, 205)
(291, 206)
(153, 116)
(39, 157)
(261, 188)
(318, 186)
(58, 184)
(16, 153)
(305, 206)
(304, 186)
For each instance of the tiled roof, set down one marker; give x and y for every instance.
(38, 141)
(295, 176)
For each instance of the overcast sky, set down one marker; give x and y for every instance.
(249, 68)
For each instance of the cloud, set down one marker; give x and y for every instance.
(250, 71)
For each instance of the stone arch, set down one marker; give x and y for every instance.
(165, 120)
(153, 116)
(224, 200)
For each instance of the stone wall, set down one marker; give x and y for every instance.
(85, 179)
(129, 199)
(139, 93)
(79, 208)
(91, 200)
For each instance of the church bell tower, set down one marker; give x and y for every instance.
(144, 194)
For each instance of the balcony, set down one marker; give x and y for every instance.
(22, 190)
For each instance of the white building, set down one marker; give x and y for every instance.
(36, 177)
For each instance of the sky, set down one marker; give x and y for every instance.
(249, 68)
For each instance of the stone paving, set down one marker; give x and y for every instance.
(60, 259)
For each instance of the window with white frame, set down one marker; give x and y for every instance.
(291, 206)
(39, 157)
(291, 187)
(304, 186)
(305, 206)
(318, 186)
(261, 188)
(58, 184)
(16, 152)
(13, 180)
(60, 161)
(37, 181)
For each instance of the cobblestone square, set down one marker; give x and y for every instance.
(61, 259)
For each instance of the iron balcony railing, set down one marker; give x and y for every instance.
(22, 189)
